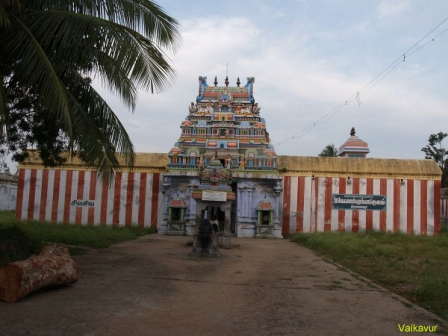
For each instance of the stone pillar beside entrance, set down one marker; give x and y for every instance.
(224, 239)
(164, 224)
(190, 226)
(250, 228)
(277, 230)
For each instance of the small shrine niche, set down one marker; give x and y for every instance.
(176, 217)
(265, 219)
(176, 214)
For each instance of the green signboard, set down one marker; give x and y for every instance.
(359, 202)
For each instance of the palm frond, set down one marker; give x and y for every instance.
(4, 19)
(94, 44)
(100, 135)
(36, 71)
(7, 6)
(54, 45)
(3, 108)
(144, 16)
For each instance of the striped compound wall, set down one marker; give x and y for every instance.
(134, 198)
(412, 206)
(78, 196)
(444, 205)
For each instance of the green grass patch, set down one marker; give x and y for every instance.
(20, 239)
(415, 267)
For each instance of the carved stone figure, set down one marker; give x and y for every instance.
(192, 108)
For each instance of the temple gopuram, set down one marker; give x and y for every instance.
(223, 166)
(223, 173)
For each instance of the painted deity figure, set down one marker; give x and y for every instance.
(209, 107)
(241, 163)
(238, 108)
(256, 109)
(229, 162)
(214, 158)
(201, 161)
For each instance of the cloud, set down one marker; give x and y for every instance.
(392, 9)
(298, 81)
(273, 11)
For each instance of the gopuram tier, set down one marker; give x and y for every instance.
(223, 167)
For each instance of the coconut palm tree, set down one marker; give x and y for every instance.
(329, 150)
(51, 48)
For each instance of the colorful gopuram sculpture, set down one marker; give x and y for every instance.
(224, 125)
(223, 163)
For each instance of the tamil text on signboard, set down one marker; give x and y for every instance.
(358, 202)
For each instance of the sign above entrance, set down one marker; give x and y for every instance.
(217, 196)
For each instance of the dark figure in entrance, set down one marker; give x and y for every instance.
(215, 224)
(205, 234)
(265, 219)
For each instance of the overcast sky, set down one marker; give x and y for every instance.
(308, 58)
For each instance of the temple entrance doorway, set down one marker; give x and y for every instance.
(214, 213)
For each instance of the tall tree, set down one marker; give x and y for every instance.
(436, 152)
(51, 48)
(329, 150)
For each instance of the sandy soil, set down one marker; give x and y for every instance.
(260, 287)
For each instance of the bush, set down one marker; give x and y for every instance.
(16, 245)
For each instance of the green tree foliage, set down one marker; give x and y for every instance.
(436, 152)
(51, 48)
(329, 150)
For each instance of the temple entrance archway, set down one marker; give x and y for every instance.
(221, 211)
(214, 212)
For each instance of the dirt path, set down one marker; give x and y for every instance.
(261, 287)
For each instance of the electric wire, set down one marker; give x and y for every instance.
(366, 87)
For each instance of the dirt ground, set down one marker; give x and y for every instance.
(260, 287)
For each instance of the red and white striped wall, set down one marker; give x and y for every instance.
(444, 208)
(79, 197)
(413, 206)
